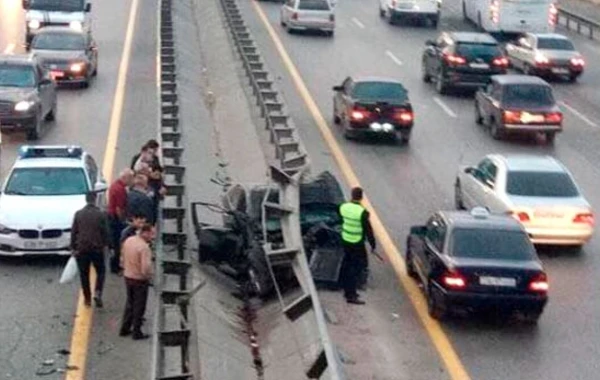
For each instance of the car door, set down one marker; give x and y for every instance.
(287, 9)
(479, 185)
(435, 237)
(522, 52)
(490, 101)
(342, 98)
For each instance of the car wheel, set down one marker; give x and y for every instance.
(550, 137)
(573, 78)
(410, 264)
(458, 199)
(381, 11)
(330, 33)
(405, 138)
(424, 72)
(435, 303)
(531, 317)
(440, 86)
(496, 130)
(478, 117)
(34, 133)
(51, 115)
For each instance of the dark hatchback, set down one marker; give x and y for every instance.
(373, 106)
(462, 59)
(477, 261)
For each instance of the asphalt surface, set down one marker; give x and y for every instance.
(407, 183)
(37, 313)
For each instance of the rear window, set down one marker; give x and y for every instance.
(380, 91)
(473, 51)
(481, 243)
(523, 95)
(540, 184)
(555, 44)
(313, 5)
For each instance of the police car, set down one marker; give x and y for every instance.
(44, 189)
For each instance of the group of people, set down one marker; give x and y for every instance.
(128, 229)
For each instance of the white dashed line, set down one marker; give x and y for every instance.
(9, 49)
(393, 58)
(579, 114)
(358, 23)
(444, 106)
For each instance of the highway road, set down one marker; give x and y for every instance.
(36, 313)
(407, 183)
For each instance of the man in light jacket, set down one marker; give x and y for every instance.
(136, 260)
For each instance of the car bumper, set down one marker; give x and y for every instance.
(470, 80)
(553, 236)
(533, 127)
(507, 302)
(414, 13)
(558, 70)
(68, 77)
(324, 26)
(17, 122)
(371, 129)
(13, 245)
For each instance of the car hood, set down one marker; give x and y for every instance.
(54, 16)
(559, 54)
(56, 55)
(571, 202)
(32, 212)
(15, 94)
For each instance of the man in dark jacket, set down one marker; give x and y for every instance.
(89, 239)
(138, 201)
(356, 228)
(117, 214)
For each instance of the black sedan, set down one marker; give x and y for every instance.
(477, 261)
(373, 106)
(71, 56)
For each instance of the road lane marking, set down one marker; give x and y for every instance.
(436, 333)
(10, 48)
(578, 114)
(444, 106)
(84, 316)
(358, 23)
(393, 58)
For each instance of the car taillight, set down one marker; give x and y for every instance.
(539, 283)
(511, 117)
(404, 116)
(553, 16)
(577, 62)
(500, 61)
(454, 280)
(358, 114)
(332, 17)
(521, 216)
(454, 60)
(586, 218)
(553, 117)
(295, 16)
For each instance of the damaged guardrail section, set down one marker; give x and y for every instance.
(171, 335)
(293, 165)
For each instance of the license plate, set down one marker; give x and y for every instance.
(479, 65)
(498, 281)
(547, 215)
(40, 244)
(56, 75)
(527, 117)
(558, 70)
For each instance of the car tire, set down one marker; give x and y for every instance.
(330, 33)
(440, 86)
(51, 115)
(435, 304)
(410, 265)
(550, 137)
(532, 317)
(424, 73)
(381, 12)
(458, 199)
(405, 138)
(573, 78)
(496, 130)
(478, 117)
(34, 133)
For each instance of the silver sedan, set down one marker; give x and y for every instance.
(537, 190)
(308, 15)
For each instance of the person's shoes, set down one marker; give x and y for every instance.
(355, 301)
(87, 302)
(98, 302)
(124, 332)
(138, 335)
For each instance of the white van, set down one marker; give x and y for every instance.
(411, 9)
(40, 13)
(512, 16)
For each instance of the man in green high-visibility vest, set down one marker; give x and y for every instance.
(355, 229)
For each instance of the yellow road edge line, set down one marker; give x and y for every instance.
(82, 325)
(437, 335)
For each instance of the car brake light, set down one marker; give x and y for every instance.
(453, 59)
(577, 62)
(295, 16)
(454, 280)
(404, 116)
(554, 117)
(539, 283)
(587, 218)
(500, 61)
(358, 114)
(511, 117)
(521, 216)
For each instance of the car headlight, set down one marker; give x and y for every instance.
(77, 67)
(24, 105)
(34, 24)
(5, 230)
(77, 25)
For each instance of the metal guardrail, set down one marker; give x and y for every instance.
(293, 165)
(579, 23)
(172, 333)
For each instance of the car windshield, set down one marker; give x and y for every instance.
(473, 51)
(46, 181)
(17, 76)
(57, 5)
(380, 91)
(313, 5)
(555, 44)
(59, 41)
(523, 95)
(540, 184)
(482, 243)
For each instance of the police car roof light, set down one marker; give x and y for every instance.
(480, 212)
(50, 151)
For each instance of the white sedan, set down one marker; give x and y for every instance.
(308, 15)
(537, 190)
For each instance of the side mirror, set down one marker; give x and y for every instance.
(100, 186)
(418, 230)
(88, 7)
(338, 88)
(470, 170)
(430, 43)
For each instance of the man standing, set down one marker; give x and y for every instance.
(136, 260)
(117, 209)
(89, 240)
(355, 228)
(138, 201)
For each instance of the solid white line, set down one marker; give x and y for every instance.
(579, 114)
(393, 58)
(358, 23)
(9, 48)
(444, 106)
